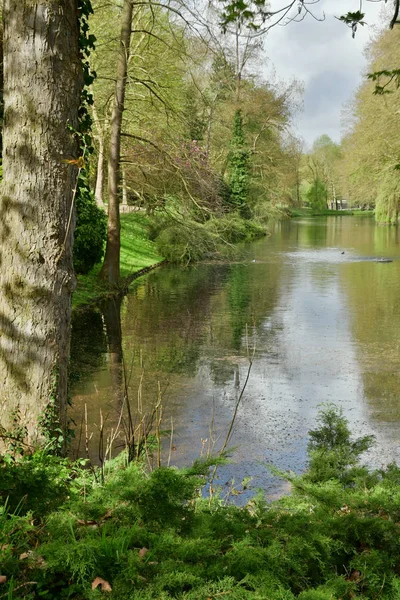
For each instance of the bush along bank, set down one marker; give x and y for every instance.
(68, 532)
(149, 240)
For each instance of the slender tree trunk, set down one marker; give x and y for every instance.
(124, 188)
(298, 199)
(111, 267)
(42, 85)
(209, 128)
(98, 194)
(237, 66)
(334, 196)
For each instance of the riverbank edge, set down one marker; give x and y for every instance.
(309, 212)
(139, 255)
(122, 289)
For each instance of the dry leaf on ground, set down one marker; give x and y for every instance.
(143, 551)
(3, 578)
(84, 522)
(105, 586)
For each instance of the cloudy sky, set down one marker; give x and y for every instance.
(325, 58)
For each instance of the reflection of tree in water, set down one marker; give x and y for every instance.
(386, 239)
(165, 316)
(375, 320)
(247, 300)
(171, 320)
(88, 344)
(96, 343)
(222, 371)
(111, 311)
(239, 303)
(314, 233)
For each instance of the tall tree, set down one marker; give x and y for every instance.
(323, 162)
(111, 266)
(371, 148)
(42, 87)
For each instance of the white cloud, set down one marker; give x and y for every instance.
(325, 58)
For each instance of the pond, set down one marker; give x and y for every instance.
(318, 316)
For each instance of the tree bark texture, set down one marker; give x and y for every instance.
(42, 86)
(111, 267)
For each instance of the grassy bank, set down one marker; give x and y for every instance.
(137, 253)
(148, 240)
(309, 212)
(133, 534)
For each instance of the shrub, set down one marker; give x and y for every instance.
(35, 482)
(186, 244)
(90, 231)
(152, 535)
(333, 454)
(232, 229)
(156, 224)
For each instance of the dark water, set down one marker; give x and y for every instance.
(321, 317)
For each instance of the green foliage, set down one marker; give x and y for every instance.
(232, 228)
(194, 241)
(195, 122)
(391, 78)
(333, 455)
(370, 148)
(36, 482)
(352, 20)
(152, 535)
(15, 530)
(251, 14)
(317, 195)
(239, 168)
(185, 243)
(86, 45)
(388, 200)
(90, 231)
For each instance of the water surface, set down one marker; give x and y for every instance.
(321, 318)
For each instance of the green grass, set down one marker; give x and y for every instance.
(137, 252)
(309, 212)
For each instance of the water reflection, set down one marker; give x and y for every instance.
(324, 321)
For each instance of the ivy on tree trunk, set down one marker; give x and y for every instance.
(239, 167)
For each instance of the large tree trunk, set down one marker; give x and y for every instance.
(111, 267)
(42, 85)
